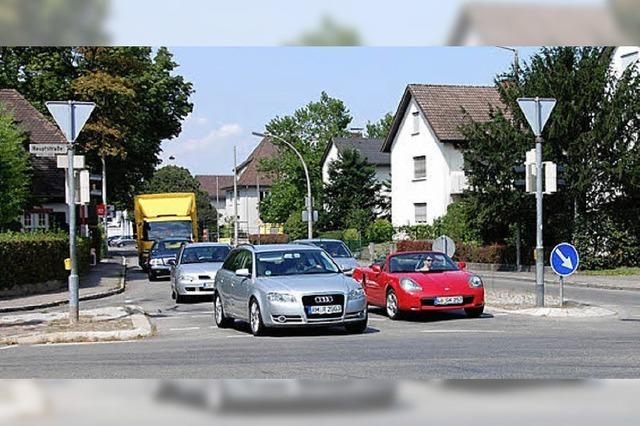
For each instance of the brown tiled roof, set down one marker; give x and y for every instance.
(538, 25)
(446, 108)
(248, 173)
(48, 180)
(209, 184)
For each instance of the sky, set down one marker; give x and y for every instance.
(238, 90)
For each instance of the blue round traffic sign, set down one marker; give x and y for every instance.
(564, 259)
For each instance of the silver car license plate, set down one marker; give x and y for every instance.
(450, 300)
(327, 309)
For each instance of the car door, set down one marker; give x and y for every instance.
(224, 279)
(175, 269)
(375, 286)
(244, 285)
(235, 291)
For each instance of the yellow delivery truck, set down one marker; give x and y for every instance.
(160, 216)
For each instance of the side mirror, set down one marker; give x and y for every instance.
(243, 273)
(462, 265)
(376, 268)
(171, 262)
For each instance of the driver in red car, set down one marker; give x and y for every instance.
(425, 265)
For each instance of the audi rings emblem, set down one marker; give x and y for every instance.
(324, 299)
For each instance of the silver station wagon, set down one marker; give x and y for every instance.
(287, 286)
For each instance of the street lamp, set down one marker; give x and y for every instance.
(306, 173)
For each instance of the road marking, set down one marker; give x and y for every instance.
(238, 335)
(8, 347)
(462, 331)
(377, 319)
(193, 312)
(500, 314)
(184, 329)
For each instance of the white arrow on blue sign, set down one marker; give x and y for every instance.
(564, 259)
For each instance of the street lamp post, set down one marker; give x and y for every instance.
(309, 202)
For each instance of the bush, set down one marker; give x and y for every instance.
(410, 245)
(419, 232)
(351, 235)
(294, 227)
(380, 231)
(269, 239)
(495, 253)
(359, 219)
(332, 235)
(29, 258)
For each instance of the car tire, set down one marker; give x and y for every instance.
(255, 319)
(222, 321)
(357, 327)
(474, 312)
(391, 305)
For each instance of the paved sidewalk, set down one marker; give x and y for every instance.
(613, 282)
(105, 279)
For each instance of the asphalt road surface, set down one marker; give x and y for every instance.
(497, 345)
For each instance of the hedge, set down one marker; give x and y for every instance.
(496, 253)
(30, 258)
(269, 239)
(411, 245)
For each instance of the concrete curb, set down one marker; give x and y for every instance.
(120, 288)
(557, 312)
(555, 282)
(142, 328)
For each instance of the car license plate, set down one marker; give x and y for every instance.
(450, 300)
(208, 285)
(327, 309)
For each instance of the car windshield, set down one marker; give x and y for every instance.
(162, 230)
(209, 254)
(170, 247)
(295, 262)
(334, 248)
(421, 262)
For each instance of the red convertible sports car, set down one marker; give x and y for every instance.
(421, 281)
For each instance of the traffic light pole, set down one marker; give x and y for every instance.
(539, 244)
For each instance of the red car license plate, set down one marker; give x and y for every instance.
(449, 300)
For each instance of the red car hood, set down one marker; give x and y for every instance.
(452, 280)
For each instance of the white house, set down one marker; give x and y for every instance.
(425, 146)
(253, 186)
(216, 186)
(369, 148)
(623, 57)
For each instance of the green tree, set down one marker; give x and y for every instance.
(352, 187)
(140, 98)
(14, 170)
(592, 131)
(309, 129)
(381, 128)
(178, 179)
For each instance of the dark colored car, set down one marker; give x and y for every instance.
(160, 254)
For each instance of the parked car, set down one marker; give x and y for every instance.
(421, 281)
(112, 239)
(125, 242)
(287, 285)
(161, 253)
(338, 250)
(195, 269)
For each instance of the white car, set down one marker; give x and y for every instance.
(193, 273)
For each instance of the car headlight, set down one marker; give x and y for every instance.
(155, 262)
(187, 278)
(410, 285)
(356, 293)
(475, 282)
(281, 298)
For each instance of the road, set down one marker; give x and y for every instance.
(497, 345)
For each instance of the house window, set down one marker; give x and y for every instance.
(629, 59)
(420, 167)
(26, 222)
(420, 212)
(263, 194)
(42, 221)
(416, 122)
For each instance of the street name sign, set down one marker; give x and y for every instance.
(444, 244)
(537, 112)
(47, 149)
(63, 162)
(564, 259)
